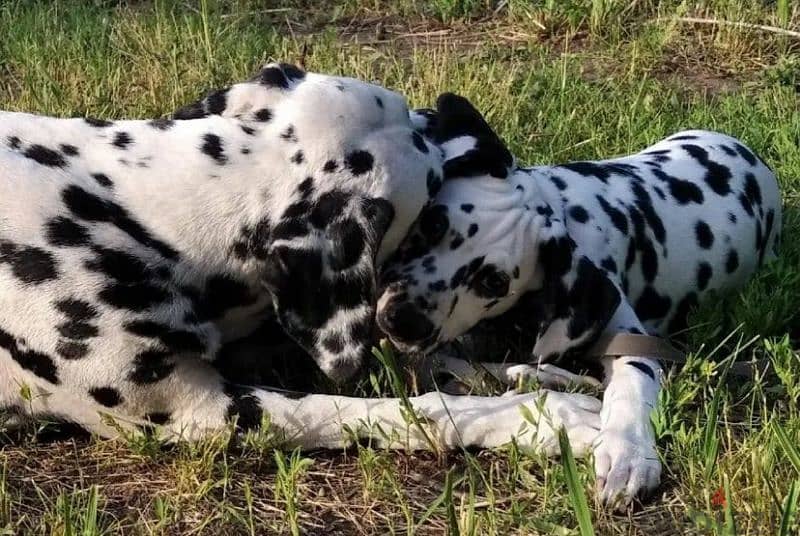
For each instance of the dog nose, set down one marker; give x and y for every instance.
(402, 320)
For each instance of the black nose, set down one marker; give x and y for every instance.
(404, 321)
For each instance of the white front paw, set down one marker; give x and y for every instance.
(626, 466)
(550, 410)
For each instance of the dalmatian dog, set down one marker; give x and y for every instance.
(583, 249)
(131, 251)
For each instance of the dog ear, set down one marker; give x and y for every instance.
(251, 100)
(471, 146)
(323, 287)
(577, 301)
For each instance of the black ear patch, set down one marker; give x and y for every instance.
(574, 314)
(457, 117)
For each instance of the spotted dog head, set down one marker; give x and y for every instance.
(487, 240)
(351, 176)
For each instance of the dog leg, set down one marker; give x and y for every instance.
(626, 461)
(511, 374)
(194, 401)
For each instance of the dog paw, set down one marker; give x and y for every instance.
(548, 375)
(626, 467)
(551, 410)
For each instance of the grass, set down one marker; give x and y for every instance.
(560, 80)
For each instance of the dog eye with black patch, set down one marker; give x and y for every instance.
(489, 282)
(434, 224)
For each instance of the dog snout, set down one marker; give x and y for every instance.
(403, 321)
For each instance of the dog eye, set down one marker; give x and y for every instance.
(491, 283)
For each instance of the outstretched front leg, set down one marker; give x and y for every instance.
(202, 403)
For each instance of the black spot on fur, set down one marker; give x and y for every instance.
(151, 366)
(45, 156)
(106, 396)
(244, 407)
(379, 101)
(38, 363)
(64, 232)
(630, 257)
(330, 166)
(289, 135)
(212, 147)
(348, 241)
(122, 140)
(306, 188)
(617, 217)
(328, 207)
(467, 207)
(602, 170)
(263, 115)
(434, 223)
(222, 292)
(247, 130)
(69, 150)
(472, 230)
(72, 350)
(162, 123)
(556, 256)
(579, 214)
(90, 207)
(434, 183)
(717, 176)
(704, 273)
(99, 123)
(176, 340)
(76, 309)
(297, 209)
(684, 192)
(609, 264)
(752, 190)
(279, 77)
(643, 368)
(135, 297)
(103, 180)
(767, 232)
(559, 182)
(456, 242)
(77, 331)
(289, 229)
(746, 204)
(379, 213)
(732, 261)
(333, 343)
(29, 264)
(298, 157)
(118, 265)
(745, 153)
(13, 142)
(216, 101)
(705, 238)
(651, 305)
(158, 418)
(419, 142)
(358, 162)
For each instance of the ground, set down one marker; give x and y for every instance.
(559, 81)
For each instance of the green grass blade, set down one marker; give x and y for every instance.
(789, 512)
(729, 527)
(576, 494)
(789, 448)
